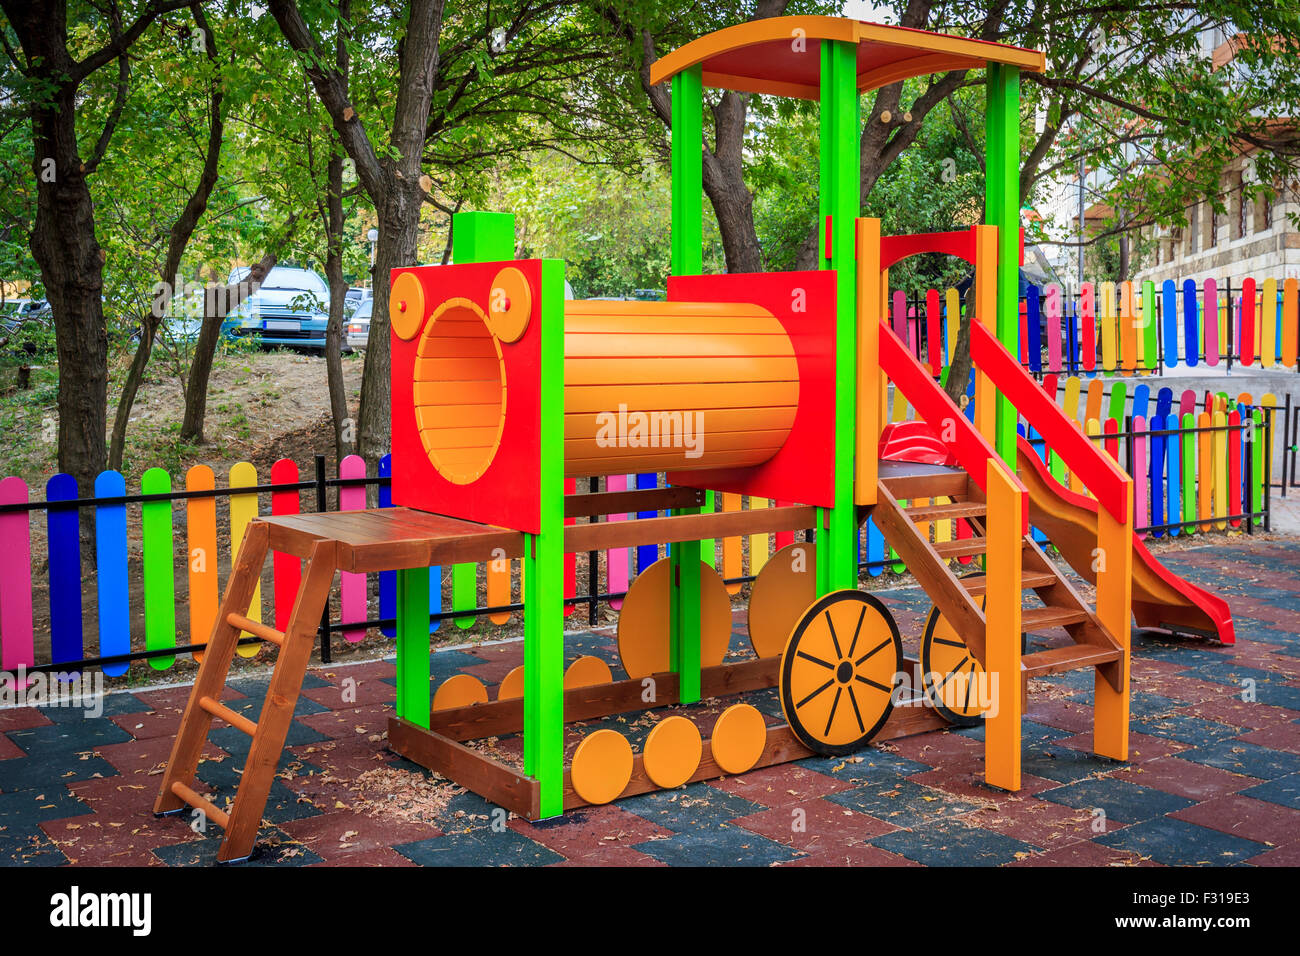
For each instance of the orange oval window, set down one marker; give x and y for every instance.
(460, 391)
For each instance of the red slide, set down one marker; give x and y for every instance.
(1160, 597)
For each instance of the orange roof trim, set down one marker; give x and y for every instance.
(781, 56)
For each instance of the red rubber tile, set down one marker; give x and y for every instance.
(970, 784)
(1282, 856)
(1040, 822)
(22, 718)
(1184, 778)
(1242, 816)
(861, 855)
(781, 786)
(592, 833)
(1141, 747)
(1231, 709)
(9, 749)
(1061, 713)
(816, 826)
(1084, 854)
(344, 837)
(349, 689)
(1279, 736)
(363, 721)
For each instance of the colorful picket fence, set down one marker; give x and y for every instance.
(1125, 328)
(1199, 463)
(178, 534)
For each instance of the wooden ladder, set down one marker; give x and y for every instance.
(1094, 646)
(268, 734)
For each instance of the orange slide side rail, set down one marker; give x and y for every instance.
(1102, 476)
(933, 404)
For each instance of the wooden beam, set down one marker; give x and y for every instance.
(645, 499)
(723, 524)
(489, 778)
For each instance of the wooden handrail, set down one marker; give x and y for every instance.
(1098, 471)
(933, 404)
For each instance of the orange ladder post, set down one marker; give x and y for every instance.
(1002, 629)
(1114, 562)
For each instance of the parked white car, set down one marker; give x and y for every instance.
(358, 327)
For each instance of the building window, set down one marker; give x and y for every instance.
(1192, 227)
(1237, 205)
(1263, 214)
(1212, 238)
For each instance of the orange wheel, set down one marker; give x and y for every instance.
(783, 589)
(672, 752)
(512, 685)
(459, 691)
(952, 677)
(838, 672)
(587, 671)
(738, 738)
(643, 621)
(602, 766)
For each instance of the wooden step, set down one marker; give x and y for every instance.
(1041, 618)
(236, 720)
(961, 548)
(1071, 658)
(198, 802)
(255, 628)
(978, 583)
(958, 509)
(907, 480)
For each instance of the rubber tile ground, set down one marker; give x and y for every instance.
(1213, 779)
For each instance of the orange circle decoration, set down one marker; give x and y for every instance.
(460, 391)
(512, 685)
(510, 303)
(738, 738)
(460, 690)
(672, 752)
(602, 766)
(643, 621)
(781, 593)
(586, 672)
(406, 306)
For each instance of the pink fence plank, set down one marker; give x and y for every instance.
(16, 645)
(1053, 310)
(616, 560)
(287, 569)
(352, 587)
(1141, 476)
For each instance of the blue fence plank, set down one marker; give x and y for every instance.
(113, 594)
(63, 532)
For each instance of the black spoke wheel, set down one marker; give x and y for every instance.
(953, 678)
(839, 671)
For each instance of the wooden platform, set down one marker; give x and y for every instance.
(388, 539)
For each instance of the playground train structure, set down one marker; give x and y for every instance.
(769, 385)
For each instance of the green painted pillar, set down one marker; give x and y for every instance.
(544, 566)
(413, 693)
(687, 259)
(1002, 209)
(840, 190)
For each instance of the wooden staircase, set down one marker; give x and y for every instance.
(242, 820)
(956, 597)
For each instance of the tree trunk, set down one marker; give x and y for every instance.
(344, 429)
(959, 369)
(724, 184)
(217, 304)
(72, 270)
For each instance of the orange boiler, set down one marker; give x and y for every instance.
(648, 386)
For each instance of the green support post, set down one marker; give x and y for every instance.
(413, 694)
(1002, 209)
(544, 566)
(687, 259)
(841, 174)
